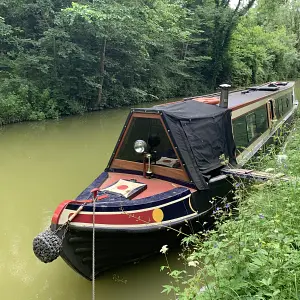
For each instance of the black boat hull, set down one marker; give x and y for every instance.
(112, 249)
(115, 247)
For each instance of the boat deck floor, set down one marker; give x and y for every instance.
(154, 185)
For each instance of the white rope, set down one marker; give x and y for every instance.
(93, 249)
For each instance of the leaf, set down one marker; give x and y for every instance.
(167, 289)
(162, 268)
(267, 282)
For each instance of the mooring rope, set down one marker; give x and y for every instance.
(93, 249)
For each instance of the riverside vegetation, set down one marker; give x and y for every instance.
(59, 57)
(254, 250)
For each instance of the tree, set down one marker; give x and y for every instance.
(225, 20)
(262, 53)
(145, 36)
(62, 58)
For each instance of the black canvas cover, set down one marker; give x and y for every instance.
(203, 135)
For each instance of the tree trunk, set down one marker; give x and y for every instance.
(216, 48)
(223, 29)
(102, 70)
(254, 70)
(54, 60)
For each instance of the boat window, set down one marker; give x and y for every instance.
(287, 101)
(261, 117)
(277, 107)
(247, 128)
(251, 126)
(280, 107)
(153, 133)
(240, 133)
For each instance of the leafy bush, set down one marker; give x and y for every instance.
(255, 254)
(13, 109)
(20, 101)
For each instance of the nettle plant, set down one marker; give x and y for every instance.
(253, 250)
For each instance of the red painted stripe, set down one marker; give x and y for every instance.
(101, 197)
(59, 210)
(117, 219)
(63, 205)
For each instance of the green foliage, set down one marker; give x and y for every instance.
(20, 100)
(140, 48)
(259, 54)
(90, 55)
(254, 254)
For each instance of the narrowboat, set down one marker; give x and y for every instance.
(162, 176)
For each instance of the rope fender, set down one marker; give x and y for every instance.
(47, 244)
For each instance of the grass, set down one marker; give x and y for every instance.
(254, 254)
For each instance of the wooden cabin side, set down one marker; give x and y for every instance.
(254, 123)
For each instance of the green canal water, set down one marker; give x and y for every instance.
(42, 164)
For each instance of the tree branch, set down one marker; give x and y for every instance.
(246, 8)
(225, 3)
(237, 7)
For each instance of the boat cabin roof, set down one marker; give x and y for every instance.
(239, 98)
(255, 93)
